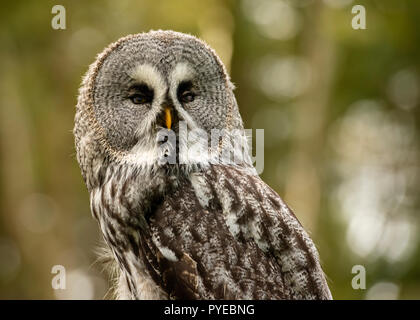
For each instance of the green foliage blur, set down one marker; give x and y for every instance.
(340, 110)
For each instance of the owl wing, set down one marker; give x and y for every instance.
(224, 234)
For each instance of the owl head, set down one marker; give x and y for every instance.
(142, 84)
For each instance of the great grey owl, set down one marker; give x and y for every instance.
(205, 227)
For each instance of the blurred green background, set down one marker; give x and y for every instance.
(340, 109)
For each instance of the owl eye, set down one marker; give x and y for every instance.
(187, 97)
(139, 99)
(140, 94)
(185, 93)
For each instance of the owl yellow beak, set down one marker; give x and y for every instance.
(168, 118)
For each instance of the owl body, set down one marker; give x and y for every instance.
(206, 228)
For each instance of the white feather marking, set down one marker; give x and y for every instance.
(201, 190)
(149, 75)
(181, 72)
(165, 251)
(168, 253)
(231, 222)
(142, 155)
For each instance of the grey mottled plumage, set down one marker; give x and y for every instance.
(197, 230)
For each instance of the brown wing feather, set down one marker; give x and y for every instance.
(218, 234)
(270, 257)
